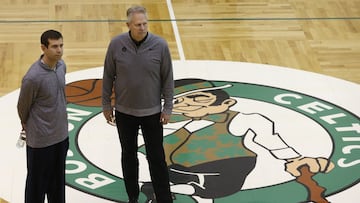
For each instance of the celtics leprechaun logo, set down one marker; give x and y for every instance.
(229, 142)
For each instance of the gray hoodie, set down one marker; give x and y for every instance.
(140, 75)
(42, 105)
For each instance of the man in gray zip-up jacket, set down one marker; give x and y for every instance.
(42, 111)
(138, 65)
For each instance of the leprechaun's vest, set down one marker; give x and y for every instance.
(206, 145)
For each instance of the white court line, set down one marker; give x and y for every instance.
(176, 31)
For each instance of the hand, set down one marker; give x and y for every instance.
(316, 165)
(23, 126)
(164, 118)
(110, 119)
(108, 114)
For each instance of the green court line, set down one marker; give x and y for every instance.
(180, 20)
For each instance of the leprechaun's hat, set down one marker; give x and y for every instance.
(190, 85)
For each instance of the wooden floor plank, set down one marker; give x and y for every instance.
(319, 36)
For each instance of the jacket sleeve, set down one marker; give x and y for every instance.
(108, 78)
(167, 80)
(26, 99)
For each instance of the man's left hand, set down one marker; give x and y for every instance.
(164, 118)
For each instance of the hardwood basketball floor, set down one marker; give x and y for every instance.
(319, 36)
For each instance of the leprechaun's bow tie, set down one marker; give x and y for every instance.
(217, 118)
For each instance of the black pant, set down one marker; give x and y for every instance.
(128, 127)
(218, 176)
(46, 173)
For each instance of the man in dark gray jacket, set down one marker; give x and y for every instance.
(42, 111)
(138, 67)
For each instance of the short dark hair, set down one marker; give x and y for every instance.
(49, 34)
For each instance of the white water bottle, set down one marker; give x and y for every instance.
(22, 139)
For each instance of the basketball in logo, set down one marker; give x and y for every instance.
(85, 92)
